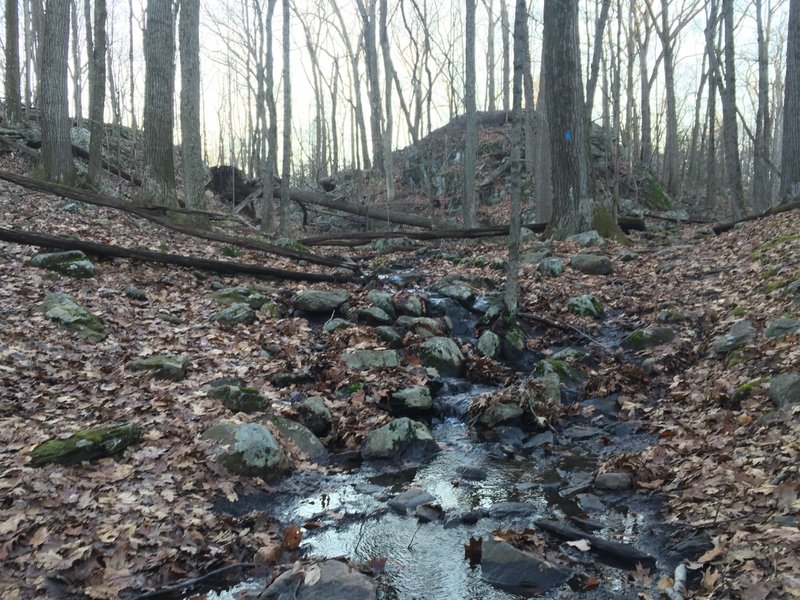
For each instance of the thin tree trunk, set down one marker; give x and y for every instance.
(491, 104)
(597, 54)
(13, 111)
(761, 194)
(790, 155)
(286, 169)
(505, 33)
(471, 135)
(191, 145)
(77, 67)
(96, 48)
(388, 70)
(733, 165)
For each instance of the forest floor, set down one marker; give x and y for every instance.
(726, 464)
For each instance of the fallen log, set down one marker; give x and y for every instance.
(110, 167)
(31, 238)
(775, 210)
(616, 551)
(151, 214)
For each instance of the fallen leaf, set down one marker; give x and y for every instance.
(582, 545)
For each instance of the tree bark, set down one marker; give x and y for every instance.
(471, 136)
(286, 169)
(368, 18)
(597, 54)
(790, 155)
(13, 109)
(388, 71)
(730, 129)
(158, 176)
(761, 192)
(191, 147)
(57, 162)
(96, 48)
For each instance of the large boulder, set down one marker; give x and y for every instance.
(552, 266)
(782, 327)
(65, 310)
(400, 439)
(382, 300)
(784, 389)
(321, 301)
(500, 413)
(315, 415)
(72, 263)
(489, 344)
(587, 239)
(411, 400)
(444, 355)
(740, 334)
(504, 565)
(460, 291)
(591, 264)
(247, 449)
(374, 315)
(302, 437)
(329, 579)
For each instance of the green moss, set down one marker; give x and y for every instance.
(775, 285)
(607, 226)
(760, 252)
(743, 391)
(355, 387)
(88, 444)
(769, 273)
(231, 251)
(734, 358)
(739, 311)
(657, 195)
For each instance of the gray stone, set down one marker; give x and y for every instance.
(587, 239)
(389, 335)
(782, 327)
(489, 344)
(500, 412)
(613, 481)
(336, 323)
(302, 437)
(514, 344)
(508, 510)
(582, 432)
(235, 314)
(65, 310)
(405, 503)
(649, 337)
(162, 366)
(413, 306)
(270, 309)
(392, 244)
(239, 398)
(383, 301)
(740, 334)
(247, 449)
(591, 264)
(374, 315)
(412, 400)
(315, 415)
(566, 372)
(238, 295)
(506, 566)
(784, 389)
(336, 581)
(535, 256)
(72, 263)
(134, 293)
(665, 268)
(472, 472)
(400, 439)
(459, 291)
(444, 355)
(540, 439)
(552, 266)
(628, 256)
(361, 360)
(551, 387)
(424, 326)
(320, 301)
(590, 503)
(80, 137)
(585, 306)
(571, 354)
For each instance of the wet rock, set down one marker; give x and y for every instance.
(460, 291)
(591, 264)
(471, 473)
(513, 344)
(470, 517)
(648, 337)
(383, 301)
(238, 295)
(72, 263)
(566, 372)
(540, 439)
(489, 344)
(406, 502)
(390, 335)
(585, 306)
(694, 545)
(740, 334)
(302, 437)
(336, 323)
(587, 239)
(444, 355)
(509, 436)
(65, 310)
(162, 366)
(315, 415)
(374, 315)
(666, 267)
(628, 256)
(361, 360)
(500, 412)
(457, 318)
(328, 579)
(581, 432)
(505, 510)
(506, 566)
(400, 439)
(552, 266)
(783, 327)
(135, 293)
(247, 449)
(785, 389)
(591, 503)
(411, 400)
(235, 314)
(613, 481)
(239, 398)
(320, 301)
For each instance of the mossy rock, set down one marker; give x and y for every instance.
(89, 444)
(64, 309)
(238, 295)
(585, 306)
(162, 366)
(648, 337)
(566, 372)
(743, 391)
(235, 314)
(72, 263)
(657, 197)
(239, 399)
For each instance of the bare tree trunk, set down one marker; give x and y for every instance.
(597, 54)
(733, 166)
(77, 67)
(158, 176)
(57, 162)
(30, 42)
(96, 49)
(505, 32)
(491, 104)
(13, 111)
(132, 86)
(713, 77)
(471, 135)
(388, 70)
(542, 179)
(511, 291)
(286, 169)
(761, 194)
(368, 17)
(191, 145)
(573, 207)
(790, 155)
